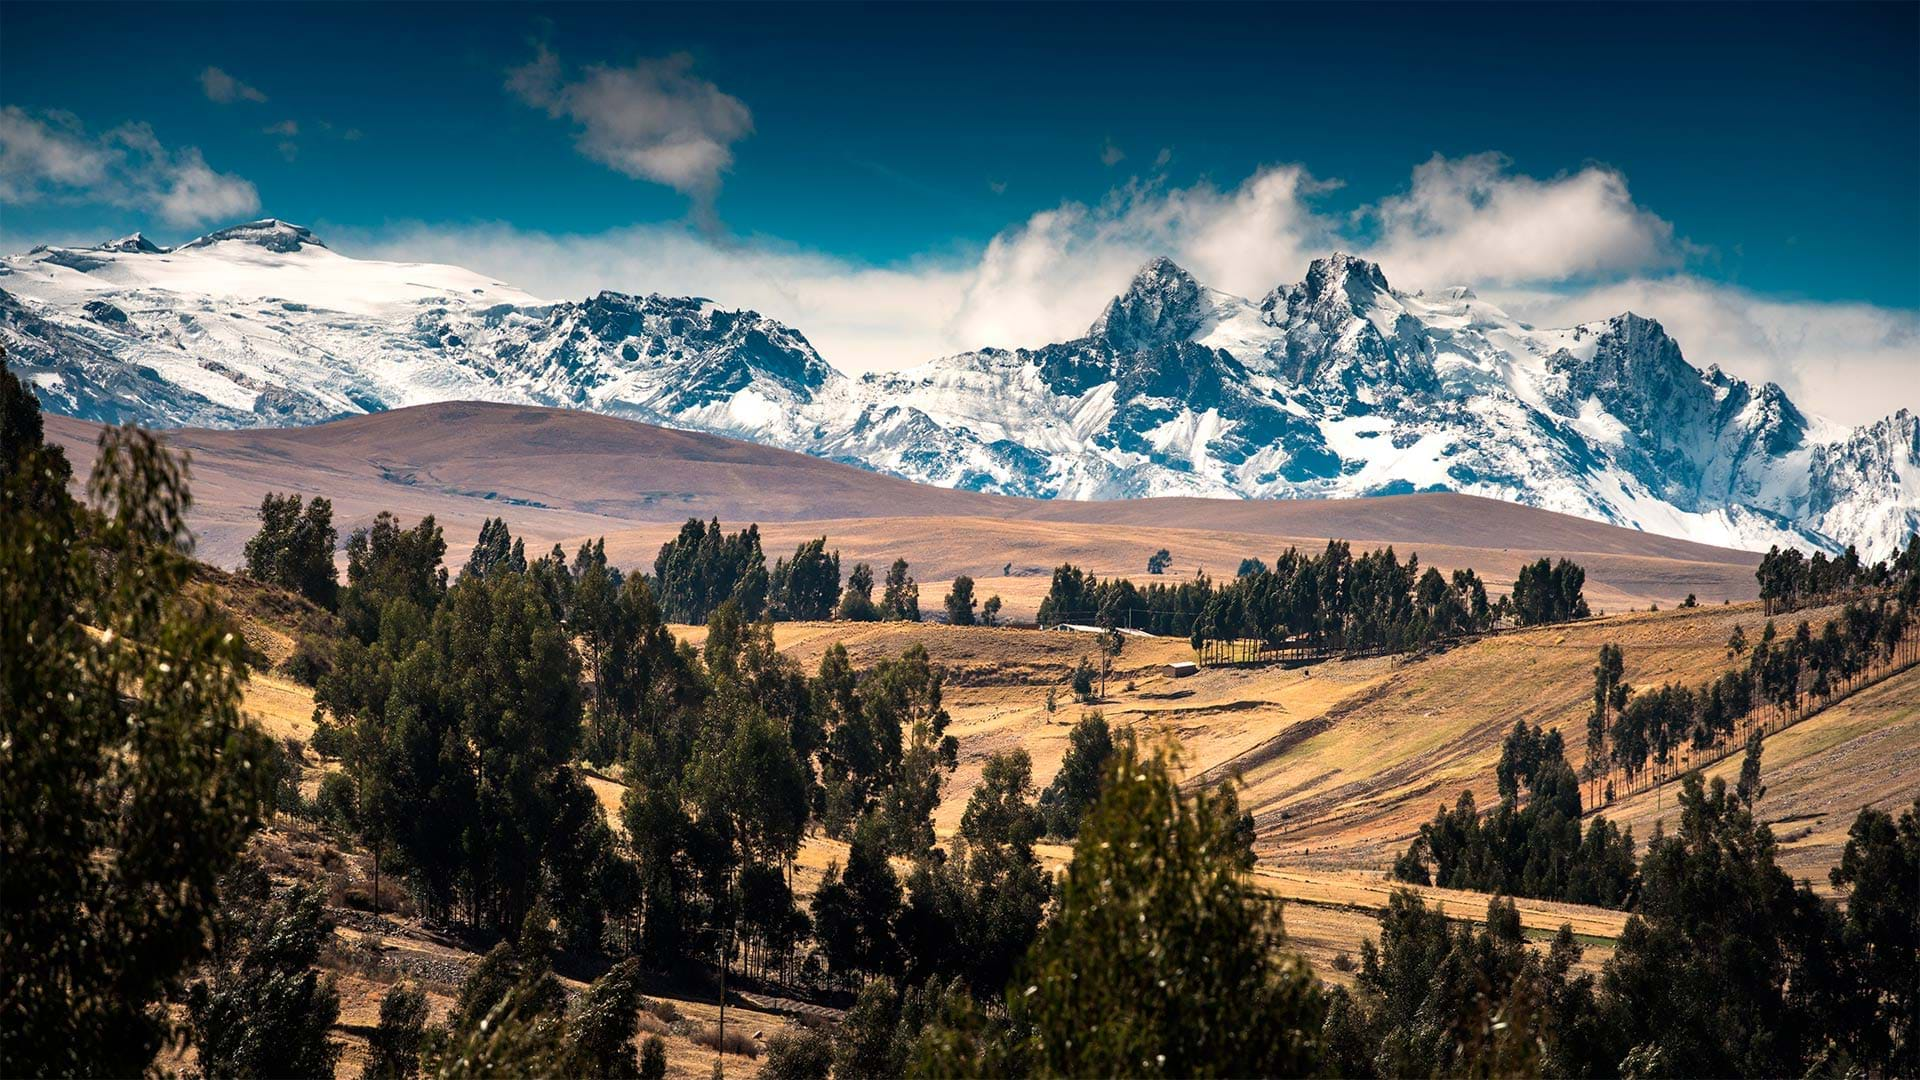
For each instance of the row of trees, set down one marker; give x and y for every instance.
(1337, 602)
(1642, 738)
(1791, 579)
(1322, 604)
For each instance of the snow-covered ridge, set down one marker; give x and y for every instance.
(1337, 385)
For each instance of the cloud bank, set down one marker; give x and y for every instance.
(52, 156)
(1555, 251)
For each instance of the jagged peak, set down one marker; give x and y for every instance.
(1161, 304)
(135, 243)
(1360, 280)
(270, 233)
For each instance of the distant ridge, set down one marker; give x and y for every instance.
(1335, 386)
(556, 474)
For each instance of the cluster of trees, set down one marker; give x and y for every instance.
(460, 711)
(1321, 604)
(1549, 592)
(1164, 959)
(1726, 967)
(704, 567)
(1337, 602)
(961, 607)
(1791, 579)
(1644, 737)
(1076, 596)
(1531, 844)
(294, 547)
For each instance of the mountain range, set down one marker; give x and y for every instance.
(1338, 385)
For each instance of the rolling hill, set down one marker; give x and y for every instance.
(561, 475)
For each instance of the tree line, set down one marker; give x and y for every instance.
(1318, 605)
(1791, 579)
(1638, 738)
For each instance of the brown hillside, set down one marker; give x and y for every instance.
(558, 475)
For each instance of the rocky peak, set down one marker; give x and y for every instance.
(270, 233)
(1162, 306)
(1344, 279)
(135, 244)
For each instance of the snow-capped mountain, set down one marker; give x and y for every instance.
(1335, 386)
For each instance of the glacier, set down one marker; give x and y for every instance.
(1335, 386)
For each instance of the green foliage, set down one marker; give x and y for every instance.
(872, 1044)
(1158, 562)
(885, 744)
(394, 578)
(1525, 848)
(798, 1053)
(856, 600)
(601, 1024)
(973, 914)
(702, 568)
(1880, 867)
(495, 552)
(1075, 596)
(1164, 958)
(1436, 999)
(1077, 784)
(1335, 601)
(259, 1007)
(294, 548)
(959, 602)
(1548, 592)
(460, 736)
(518, 1036)
(900, 602)
(854, 910)
(746, 778)
(393, 1049)
(809, 586)
(128, 779)
(990, 611)
(33, 475)
(653, 1058)
(1728, 969)
(1791, 579)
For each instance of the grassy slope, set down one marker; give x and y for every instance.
(1341, 761)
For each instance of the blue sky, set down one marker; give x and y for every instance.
(1729, 162)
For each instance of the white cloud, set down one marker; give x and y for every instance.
(53, 157)
(225, 89)
(1470, 220)
(53, 152)
(1111, 154)
(1046, 278)
(654, 120)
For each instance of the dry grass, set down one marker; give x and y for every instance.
(1341, 762)
(735, 1041)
